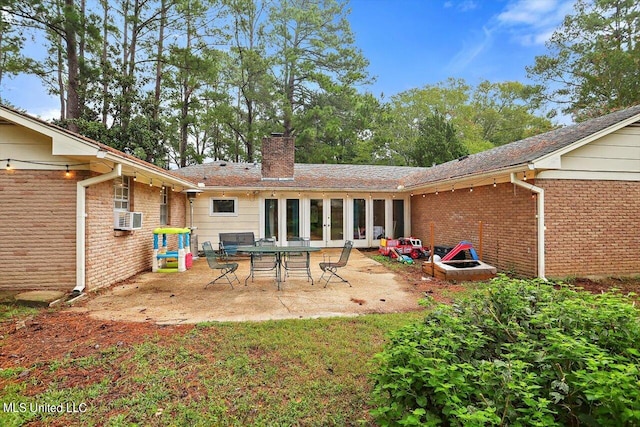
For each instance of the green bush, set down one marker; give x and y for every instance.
(518, 353)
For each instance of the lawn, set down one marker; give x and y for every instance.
(292, 372)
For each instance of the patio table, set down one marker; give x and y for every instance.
(279, 251)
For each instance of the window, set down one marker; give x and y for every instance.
(293, 218)
(164, 206)
(121, 193)
(359, 219)
(398, 218)
(224, 207)
(271, 218)
(378, 218)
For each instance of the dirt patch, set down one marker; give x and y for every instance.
(55, 334)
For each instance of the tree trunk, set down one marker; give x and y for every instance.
(73, 99)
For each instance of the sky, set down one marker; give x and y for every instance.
(413, 43)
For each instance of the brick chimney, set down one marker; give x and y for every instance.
(278, 156)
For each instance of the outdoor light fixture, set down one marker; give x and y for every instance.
(135, 176)
(67, 173)
(151, 183)
(494, 183)
(8, 164)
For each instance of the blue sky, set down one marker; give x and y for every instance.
(413, 43)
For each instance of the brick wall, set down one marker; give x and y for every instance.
(509, 223)
(593, 227)
(37, 233)
(115, 256)
(278, 157)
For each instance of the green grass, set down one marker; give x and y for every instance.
(312, 372)
(9, 309)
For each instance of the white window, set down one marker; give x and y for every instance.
(227, 206)
(164, 206)
(121, 193)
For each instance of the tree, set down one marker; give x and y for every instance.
(484, 116)
(505, 112)
(593, 62)
(314, 51)
(12, 61)
(436, 142)
(249, 71)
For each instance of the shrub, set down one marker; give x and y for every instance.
(518, 353)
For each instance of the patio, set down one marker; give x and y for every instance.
(174, 298)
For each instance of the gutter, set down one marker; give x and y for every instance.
(540, 217)
(81, 220)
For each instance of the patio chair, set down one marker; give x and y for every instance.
(297, 262)
(218, 262)
(331, 268)
(264, 263)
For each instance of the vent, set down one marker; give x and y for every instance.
(127, 220)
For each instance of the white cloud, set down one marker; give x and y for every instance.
(532, 22)
(469, 52)
(463, 6)
(48, 114)
(524, 22)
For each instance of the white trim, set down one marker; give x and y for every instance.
(540, 216)
(235, 206)
(589, 175)
(541, 162)
(81, 222)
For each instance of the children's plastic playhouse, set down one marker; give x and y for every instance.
(165, 261)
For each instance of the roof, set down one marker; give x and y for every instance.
(372, 177)
(391, 178)
(22, 119)
(523, 152)
(306, 176)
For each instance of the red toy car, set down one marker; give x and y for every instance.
(410, 246)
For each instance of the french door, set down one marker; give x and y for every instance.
(326, 222)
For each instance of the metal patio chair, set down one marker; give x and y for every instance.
(264, 263)
(218, 262)
(298, 262)
(331, 268)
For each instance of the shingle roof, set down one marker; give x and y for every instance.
(388, 178)
(306, 176)
(519, 152)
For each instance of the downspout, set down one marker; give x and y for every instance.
(540, 216)
(81, 220)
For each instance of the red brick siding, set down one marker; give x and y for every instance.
(593, 227)
(112, 258)
(278, 157)
(37, 235)
(508, 214)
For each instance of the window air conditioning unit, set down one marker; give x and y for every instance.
(127, 220)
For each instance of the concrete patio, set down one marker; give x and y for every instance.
(172, 298)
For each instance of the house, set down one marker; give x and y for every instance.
(558, 204)
(65, 204)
